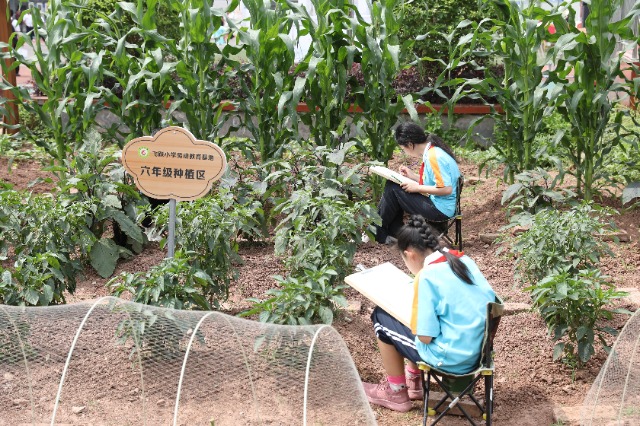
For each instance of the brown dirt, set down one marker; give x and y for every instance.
(528, 384)
(23, 175)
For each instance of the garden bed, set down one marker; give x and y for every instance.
(528, 384)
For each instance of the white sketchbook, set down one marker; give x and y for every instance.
(390, 174)
(388, 287)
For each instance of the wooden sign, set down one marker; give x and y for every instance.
(173, 164)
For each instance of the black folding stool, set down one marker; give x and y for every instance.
(453, 222)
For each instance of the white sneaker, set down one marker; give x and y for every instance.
(365, 238)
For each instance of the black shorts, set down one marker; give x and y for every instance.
(392, 332)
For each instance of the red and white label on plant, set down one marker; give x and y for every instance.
(173, 164)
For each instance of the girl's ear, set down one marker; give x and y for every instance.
(409, 254)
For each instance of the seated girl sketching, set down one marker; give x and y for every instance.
(447, 322)
(432, 192)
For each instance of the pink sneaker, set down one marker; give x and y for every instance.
(414, 385)
(381, 394)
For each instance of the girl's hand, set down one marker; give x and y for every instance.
(405, 171)
(411, 186)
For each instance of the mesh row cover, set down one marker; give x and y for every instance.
(113, 362)
(614, 397)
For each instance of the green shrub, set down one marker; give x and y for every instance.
(51, 237)
(209, 230)
(322, 219)
(320, 225)
(418, 17)
(560, 242)
(534, 191)
(39, 280)
(95, 179)
(309, 299)
(320, 231)
(166, 19)
(47, 242)
(573, 306)
(174, 283)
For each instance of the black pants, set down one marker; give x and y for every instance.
(392, 332)
(395, 202)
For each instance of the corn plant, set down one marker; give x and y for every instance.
(514, 40)
(67, 69)
(139, 76)
(378, 54)
(203, 67)
(327, 67)
(271, 93)
(590, 69)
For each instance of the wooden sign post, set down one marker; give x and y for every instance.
(6, 29)
(173, 165)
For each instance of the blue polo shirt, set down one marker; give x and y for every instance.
(441, 170)
(453, 313)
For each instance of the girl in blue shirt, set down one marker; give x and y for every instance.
(447, 322)
(432, 192)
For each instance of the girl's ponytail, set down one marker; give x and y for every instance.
(437, 141)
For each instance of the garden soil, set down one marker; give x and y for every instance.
(529, 385)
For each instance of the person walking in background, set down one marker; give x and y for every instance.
(432, 194)
(27, 20)
(221, 34)
(447, 322)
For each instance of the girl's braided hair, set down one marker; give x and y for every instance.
(418, 234)
(410, 134)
